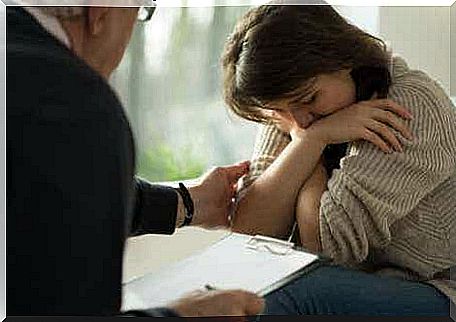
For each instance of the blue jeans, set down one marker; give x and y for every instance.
(334, 290)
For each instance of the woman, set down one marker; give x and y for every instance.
(358, 149)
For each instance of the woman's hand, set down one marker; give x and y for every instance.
(372, 121)
(213, 197)
(283, 121)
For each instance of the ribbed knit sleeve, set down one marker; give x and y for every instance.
(269, 143)
(372, 191)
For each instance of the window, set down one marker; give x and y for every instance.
(170, 82)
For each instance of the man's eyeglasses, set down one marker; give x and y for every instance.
(146, 13)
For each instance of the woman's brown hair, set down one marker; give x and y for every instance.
(276, 49)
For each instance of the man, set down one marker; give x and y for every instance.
(72, 196)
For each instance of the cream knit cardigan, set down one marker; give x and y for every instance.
(394, 213)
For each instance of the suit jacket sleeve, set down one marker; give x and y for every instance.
(155, 209)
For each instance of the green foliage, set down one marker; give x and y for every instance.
(162, 164)
(187, 81)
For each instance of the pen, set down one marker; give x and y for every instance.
(209, 287)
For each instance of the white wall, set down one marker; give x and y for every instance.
(422, 36)
(366, 18)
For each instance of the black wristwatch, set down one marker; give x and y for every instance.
(188, 204)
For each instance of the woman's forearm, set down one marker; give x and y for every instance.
(268, 205)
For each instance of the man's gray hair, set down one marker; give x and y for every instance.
(63, 12)
(67, 9)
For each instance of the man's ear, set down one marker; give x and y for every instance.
(96, 19)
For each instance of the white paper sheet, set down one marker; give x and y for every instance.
(228, 264)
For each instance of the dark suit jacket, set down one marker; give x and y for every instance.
(72, 198)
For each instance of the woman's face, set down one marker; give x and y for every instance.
(330, 93)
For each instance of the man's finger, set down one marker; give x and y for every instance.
(253, 304)
(234, 189)
(235, 172)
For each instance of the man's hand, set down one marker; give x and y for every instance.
(218, 303)
(213, 197)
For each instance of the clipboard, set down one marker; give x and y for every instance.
(257, 264)
(320, 260)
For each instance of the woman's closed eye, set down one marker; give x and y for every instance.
(312, 99)
(306, 99)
